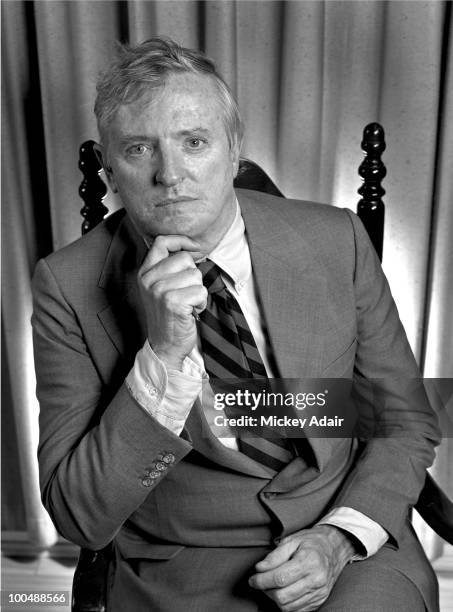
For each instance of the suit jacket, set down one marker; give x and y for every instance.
(188, 537)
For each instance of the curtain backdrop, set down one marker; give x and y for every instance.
(308, 77)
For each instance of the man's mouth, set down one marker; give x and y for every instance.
(178, 200)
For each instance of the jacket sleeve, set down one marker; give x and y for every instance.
(99, 454)
(390, 396)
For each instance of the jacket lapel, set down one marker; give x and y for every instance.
(293, 291)
(205, 442)
(123, 317)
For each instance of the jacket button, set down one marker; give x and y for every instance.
(269, 495)
(160, 466)
(168, 458)
(147, 482)
(154, 474)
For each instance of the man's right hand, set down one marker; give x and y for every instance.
(171, 289)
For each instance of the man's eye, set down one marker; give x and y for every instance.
(195, 143)
(138, 149)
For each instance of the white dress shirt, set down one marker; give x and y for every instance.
(168, 395)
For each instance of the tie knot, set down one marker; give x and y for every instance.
(211, 276)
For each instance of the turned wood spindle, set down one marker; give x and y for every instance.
(92, 189)
(371, 208)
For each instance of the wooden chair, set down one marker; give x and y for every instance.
(93, 569)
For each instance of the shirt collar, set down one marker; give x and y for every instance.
(232, 254)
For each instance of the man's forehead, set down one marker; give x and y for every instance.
(183, 96)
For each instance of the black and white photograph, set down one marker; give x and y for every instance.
(227, 305)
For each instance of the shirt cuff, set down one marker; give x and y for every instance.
(167, 395)
(369, 533)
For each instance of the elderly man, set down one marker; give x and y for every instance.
(195, 281)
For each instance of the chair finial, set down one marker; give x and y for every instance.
(92, 189)
(371, 208)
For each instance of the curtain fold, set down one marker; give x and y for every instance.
(438, 345)
(411, 87)
(19, 251)
(74, 40)
(308, 75)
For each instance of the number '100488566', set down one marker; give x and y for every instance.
(30, 598)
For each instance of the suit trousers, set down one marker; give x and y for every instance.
(372, 587)
(219, 581)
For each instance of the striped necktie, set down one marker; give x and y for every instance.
(229, 351)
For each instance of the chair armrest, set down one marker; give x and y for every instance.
(436, 509)
(90, 583)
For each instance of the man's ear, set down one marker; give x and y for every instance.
(235, 154)
(101, 154)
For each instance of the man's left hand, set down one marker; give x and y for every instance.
(300, 573)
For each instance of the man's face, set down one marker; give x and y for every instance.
(171, 161)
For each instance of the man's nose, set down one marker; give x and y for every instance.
(170, 169)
